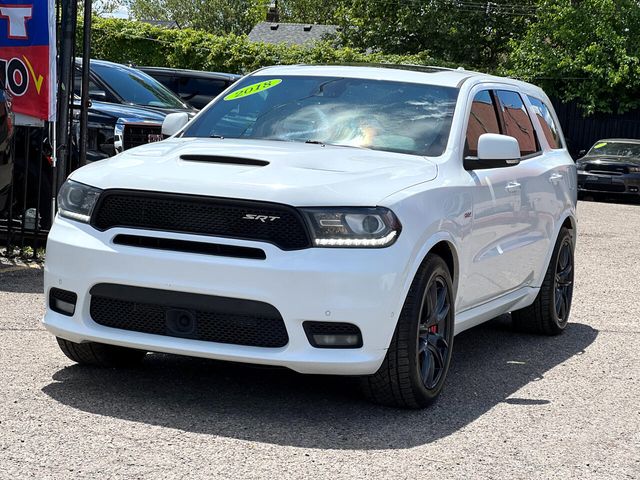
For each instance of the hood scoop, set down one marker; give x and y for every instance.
(224, 160)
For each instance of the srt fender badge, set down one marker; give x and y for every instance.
(260, 218)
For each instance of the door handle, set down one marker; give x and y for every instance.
(555, 178)
(512, 187)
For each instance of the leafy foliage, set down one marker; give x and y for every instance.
(459, 31)
(214, 16)
(139, 43)
(585, 51)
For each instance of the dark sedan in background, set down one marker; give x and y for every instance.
(195, 87)
(611, 166)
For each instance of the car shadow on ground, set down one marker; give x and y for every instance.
(18, 279)
(277, 406)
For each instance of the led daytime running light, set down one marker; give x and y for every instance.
(356, 242)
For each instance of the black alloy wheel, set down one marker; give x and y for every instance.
(415, 367)
(433, 335)
(549, 313)
(563, 291)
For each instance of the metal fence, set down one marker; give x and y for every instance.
(36, 170)
(27, 214)
(582, 132)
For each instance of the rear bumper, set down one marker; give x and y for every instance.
(359, 286)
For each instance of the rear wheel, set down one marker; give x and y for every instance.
(414, 370)
(100, 354)
(549, 313)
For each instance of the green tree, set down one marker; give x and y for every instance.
(214, 16)
(466, 32)
(310, 11)
(585, 51)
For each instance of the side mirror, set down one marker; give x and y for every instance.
(494, 151)
(173, 123)
(98, 95)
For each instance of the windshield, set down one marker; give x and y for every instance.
(136, 87)
(618, 149)
(380, 115)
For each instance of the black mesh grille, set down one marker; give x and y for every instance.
(606, 167)
(135, 135)
(260, 325)
(269, 222)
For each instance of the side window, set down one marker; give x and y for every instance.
(77, 83)
(167, 80)
(483, 119)
(516, 122)
(548, 124)
(202, 86)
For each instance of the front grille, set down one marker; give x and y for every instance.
(606, 168)
(269, 222)
(135, 134)
(213, 319)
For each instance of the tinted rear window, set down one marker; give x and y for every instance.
(548, 124)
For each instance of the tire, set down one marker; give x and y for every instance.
(549, 313)
(100, 354)
(416, 364)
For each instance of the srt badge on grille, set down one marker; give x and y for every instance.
(260, 218)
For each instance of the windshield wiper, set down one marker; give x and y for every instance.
(214, 135)
(315, 142)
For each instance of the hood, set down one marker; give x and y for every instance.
(134, 113)
(295, 173)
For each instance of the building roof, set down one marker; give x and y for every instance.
(291, 33)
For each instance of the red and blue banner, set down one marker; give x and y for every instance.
(28, 56)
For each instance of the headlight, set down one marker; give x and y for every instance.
(352, 227)
(76, 200)
(634, 169)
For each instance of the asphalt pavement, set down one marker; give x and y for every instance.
(515, 405)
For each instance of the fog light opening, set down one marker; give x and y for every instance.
(62, 301)
(333, 334)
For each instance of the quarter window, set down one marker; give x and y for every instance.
(483, 119)
(548, 124)
(517, 123)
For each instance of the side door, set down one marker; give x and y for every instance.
(528, 241)
(496, 200)
(555, 182)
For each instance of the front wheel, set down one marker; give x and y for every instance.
(414, 370)
(549, 313)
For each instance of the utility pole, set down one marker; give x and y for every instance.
(84, 102)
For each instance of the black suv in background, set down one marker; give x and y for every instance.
(127, 108)
(195, 87)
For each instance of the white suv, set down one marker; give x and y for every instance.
(329, 219)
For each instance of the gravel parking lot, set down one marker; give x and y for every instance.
(515, 406)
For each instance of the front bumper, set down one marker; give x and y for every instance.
(359, 286)
(628, 184)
